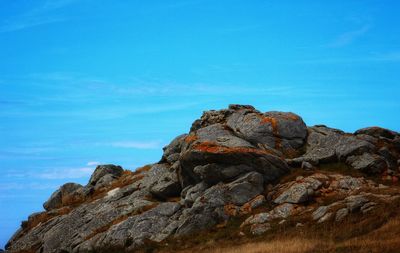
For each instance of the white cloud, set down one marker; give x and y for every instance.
(137, 144)
(348, 37)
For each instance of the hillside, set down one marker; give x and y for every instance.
(239, 181)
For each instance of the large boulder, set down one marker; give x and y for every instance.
(285, 132)
(378, 132)
(328, 145)
(221, 163)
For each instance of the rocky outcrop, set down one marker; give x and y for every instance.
(370, 150)
(232, 163)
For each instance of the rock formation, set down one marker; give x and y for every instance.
(231, 164)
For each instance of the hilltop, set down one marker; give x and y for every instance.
(240, 181)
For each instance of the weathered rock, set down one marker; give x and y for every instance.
(221, 135)
(230, 161)
(341, 214)
(164, 181)
(109, 172)
(367, 207)
(208, 209)
(283, 210)
(245, 188)
(258, 219)
(277, 130)
(172, 150)
(368, 163)
(329, 145)
(355, 202)
(298, 193)
(377, 132)
(324, 218)
(306, 165)
(321, 211)
(259, 229)
(58, 197)
(257, 201)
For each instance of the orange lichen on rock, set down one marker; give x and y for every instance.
(211, 147)
(246, 208)
(191, 138)
(231, 210)
(274, 125)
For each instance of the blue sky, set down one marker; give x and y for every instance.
(84, 82)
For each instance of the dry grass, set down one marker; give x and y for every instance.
(295, 245)
(385, 239)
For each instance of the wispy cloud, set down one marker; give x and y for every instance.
(54, 173)
(25, 186)
(372, 58)
(137, 144)
(94, 163)
(66, 173)
(40, 15)
(349, 37)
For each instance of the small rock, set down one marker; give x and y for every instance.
(313, 182)
(259, 229)
(284, 210)
(325, 218)
(257, 219)
(306, 166)
(349, 183)
(355, 202)
(382, 186)
(281, 222)
(257, 201)
(341, 214)
(368, 207)
(321, 211)
(298, 193)
(298, 224)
